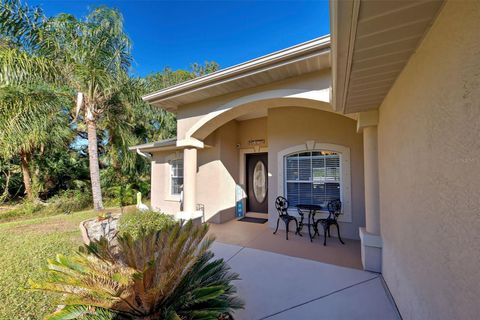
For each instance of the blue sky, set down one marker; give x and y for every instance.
(176, 34)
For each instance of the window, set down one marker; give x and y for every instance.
(312, 177)
(176, 176)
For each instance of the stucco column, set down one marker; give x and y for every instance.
(370, 158)
(370, 236)
(189, 179)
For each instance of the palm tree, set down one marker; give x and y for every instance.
(169, 274)
(95, 56)
(30, 95)
(30, 108)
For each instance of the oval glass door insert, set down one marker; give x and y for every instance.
(260, 181)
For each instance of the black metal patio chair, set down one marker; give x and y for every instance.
(334, 209)
(281, 204)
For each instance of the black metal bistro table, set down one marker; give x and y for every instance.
(312, 210)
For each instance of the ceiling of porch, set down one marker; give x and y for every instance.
(372, 41)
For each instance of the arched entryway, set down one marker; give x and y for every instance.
(310, 104)
(258, 103)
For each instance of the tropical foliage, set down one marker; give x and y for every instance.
(95, 57)
(70, 107)
(31, 92)
(137, 223)
(166, 274)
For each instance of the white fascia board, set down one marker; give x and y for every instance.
(276, 57)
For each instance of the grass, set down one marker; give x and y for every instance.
(24, 247)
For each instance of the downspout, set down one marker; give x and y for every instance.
(144, 154)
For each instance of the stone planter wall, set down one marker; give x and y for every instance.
(94, 229)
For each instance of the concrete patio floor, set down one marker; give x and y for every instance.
(260, 236)
(278, 286)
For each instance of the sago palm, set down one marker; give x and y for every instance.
(161, 275)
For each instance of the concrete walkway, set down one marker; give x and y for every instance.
(276, 286)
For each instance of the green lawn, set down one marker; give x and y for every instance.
(24, 247)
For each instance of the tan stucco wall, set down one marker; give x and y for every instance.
(291, 126)
(317, 83)
(160, 185)
(218, 173)
(429, 163)
(218, 170)
(254, 129)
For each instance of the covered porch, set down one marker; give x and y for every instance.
(260, 236)
(310, 156)
(277, 107)
(289, 137)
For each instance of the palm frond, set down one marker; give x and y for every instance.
(170, 274)
(19, 68)
(81, 312)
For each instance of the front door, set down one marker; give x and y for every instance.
(257, 182)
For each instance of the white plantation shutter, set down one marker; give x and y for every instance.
(312, 177)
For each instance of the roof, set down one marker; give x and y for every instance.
(167, 144)
(310, 56)
(372, 42)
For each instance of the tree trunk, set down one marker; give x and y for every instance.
(5, 193)
(27, 180)
(93, 164)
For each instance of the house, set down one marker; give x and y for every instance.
(384, 114)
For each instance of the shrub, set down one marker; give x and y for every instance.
(25, 209)
(70, 201)
(169, 274)
(138, 222)
(124, 194)
(67, 202)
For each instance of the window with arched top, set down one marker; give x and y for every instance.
(312, 177)
(315, 173)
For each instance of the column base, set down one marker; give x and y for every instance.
(371, 246)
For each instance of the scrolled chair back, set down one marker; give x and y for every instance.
(334, 207)
(281, 204)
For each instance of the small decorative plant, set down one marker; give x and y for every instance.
(161, 274)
